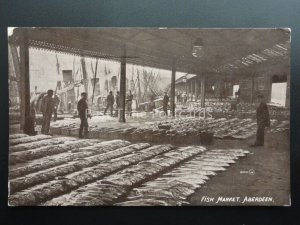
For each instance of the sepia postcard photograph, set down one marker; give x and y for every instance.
(149, 116)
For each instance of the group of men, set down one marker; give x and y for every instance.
(49, 106)
(111, 100)
(181, 97)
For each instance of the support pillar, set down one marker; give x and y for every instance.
(173, 89)
(192, 83)
(123, 87)
(26, 121)
(196, 88)
(202, 91)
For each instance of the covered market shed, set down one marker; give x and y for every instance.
(244, 54)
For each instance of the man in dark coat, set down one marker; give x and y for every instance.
(47, 109)
(82, 108)
(165, 103)
(56, 101)
(263, 121)
(129, 99)
(110, 100)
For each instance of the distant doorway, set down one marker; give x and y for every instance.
(278, 91)
(235, 89)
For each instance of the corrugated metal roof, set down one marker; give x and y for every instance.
(224, 49)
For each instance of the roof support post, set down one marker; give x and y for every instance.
(123, 86)
(173, 88)
(196, 88)
(192, 83)
(203, 91)
(26, 121)
(84, 74)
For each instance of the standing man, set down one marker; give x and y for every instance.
(152, 104)
(117, 103)
(165, 103)
(234, 103)
(82, 108)
(178, 97)
(185, 97)
(47, 110)
(263, 120)
(56, 103)
(129, 99)
(70, 107)
(110, 100)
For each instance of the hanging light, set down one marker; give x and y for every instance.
(197, 50)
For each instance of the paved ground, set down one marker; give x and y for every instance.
(271, 178)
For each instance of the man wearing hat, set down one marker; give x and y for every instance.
(110, 100)
(165, 103)
(47, 109)
(82, 108)
(263, 120)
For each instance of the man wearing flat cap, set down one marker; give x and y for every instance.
(47, 109)
(263, 121)
(82, 108)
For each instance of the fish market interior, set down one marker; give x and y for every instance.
(148, 116)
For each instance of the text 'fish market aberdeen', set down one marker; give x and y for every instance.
(149, 116)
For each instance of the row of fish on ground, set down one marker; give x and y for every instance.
(117, 172)
(175, 131)
(220, 109)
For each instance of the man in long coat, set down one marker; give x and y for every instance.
(110, 100)
(165, 103)
(263, 121)
(82, 108)
(47, 109)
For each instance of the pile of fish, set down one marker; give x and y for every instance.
(282, 126)
(15, 136)
(41, 180)
(39, 143)
(173, 188)
(69, 171)
(221, 109)
(69, 144)
(108, 190)
(26, 139)
(189, 130)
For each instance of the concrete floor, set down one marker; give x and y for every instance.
(263, 173)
